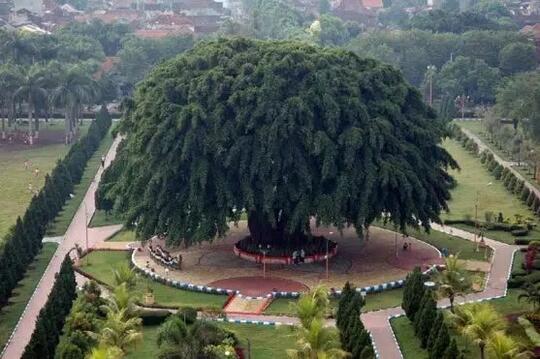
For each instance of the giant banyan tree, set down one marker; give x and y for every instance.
(283, 132)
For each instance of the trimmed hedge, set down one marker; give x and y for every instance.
(24, 239)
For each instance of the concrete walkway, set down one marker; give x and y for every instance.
(501, 265)
(74, 234)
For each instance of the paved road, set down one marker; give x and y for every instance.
(501, 265)
(74, 234)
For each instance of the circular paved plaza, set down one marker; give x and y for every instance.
(361, 262)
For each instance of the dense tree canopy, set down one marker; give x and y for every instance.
(283, 130)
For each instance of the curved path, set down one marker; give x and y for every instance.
(378, 323)
(75, 234)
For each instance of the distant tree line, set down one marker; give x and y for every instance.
(24, 239)
(52, 316)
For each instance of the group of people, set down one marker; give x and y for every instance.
(299, 256)
(165, 256)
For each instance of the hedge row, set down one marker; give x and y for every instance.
(24, 239)
(52, 316)
(429, 325)
(512, 183)
(354, 337)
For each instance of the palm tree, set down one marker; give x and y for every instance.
(531, 295)
(501, 346)
(120, 330)
(123, 273)
(105, 352)
(479, 322)
(32, 87)
(122, 298)
(75, 87)
(453, 280)
(311, 305)
(317, 342)
(10, 77)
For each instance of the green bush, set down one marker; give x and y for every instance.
(188, 315)
(497, 171)
(521, 241)
(520, 232)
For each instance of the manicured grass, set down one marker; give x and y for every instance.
(102, 264)
(62, 221)
(267, 342)
(123, 236)
(474, 179)
(410, 346)
(375, 301)
(101, 218)
(440, 240)
(9, 315)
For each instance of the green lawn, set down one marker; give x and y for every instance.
(474, 179)
(375, 301)
(9, 315)
(102, 264)
(267, 342)
(123, 236)
(101, 218)
(65, 216)
(410, 346)
(440, 240)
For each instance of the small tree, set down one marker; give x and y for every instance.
(443, 340)
(413, 292)
(453, 280)
(525, 192)
(452, 352)
(434, 334)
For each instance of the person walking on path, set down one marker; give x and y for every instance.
(102, 161)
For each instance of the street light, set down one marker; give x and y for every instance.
(264, 251)
(430, 73)
(327, 257)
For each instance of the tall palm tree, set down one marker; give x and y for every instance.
(317, 342)
(75, 87)
(501, 346)
(32, 87)
(10, 78)
(453, 280)
(122, 298)
(479, 322)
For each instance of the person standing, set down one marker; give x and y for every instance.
(102, 161)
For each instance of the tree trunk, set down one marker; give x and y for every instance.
(36, 136)
(3, 124)
(264, 232)
(482, 346)
(451, 297)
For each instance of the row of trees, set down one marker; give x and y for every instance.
(52, 316)
(354, 337)
(430, 327)
(23, 241)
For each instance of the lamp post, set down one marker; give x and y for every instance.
(395, 241)
(86, 233)
(264, 251)
(327, 258)
(430, 72)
